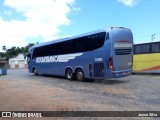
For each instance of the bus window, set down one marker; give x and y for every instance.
(107, 35)
(155, 47)
(89, 43)
(138, 49)
(81, 44)
(146, 48)
(28, 58)
(37, 52)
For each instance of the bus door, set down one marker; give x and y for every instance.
(122, 49)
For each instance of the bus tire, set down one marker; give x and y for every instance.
(35, 72)
(69, 74)
(80, 75)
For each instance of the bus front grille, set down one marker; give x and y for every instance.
(98, 69)
(122, 51)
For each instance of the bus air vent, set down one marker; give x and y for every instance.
(122, 51)
(98, 69)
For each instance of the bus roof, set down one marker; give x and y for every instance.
(147, 43)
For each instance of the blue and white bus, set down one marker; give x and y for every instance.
(105, 53)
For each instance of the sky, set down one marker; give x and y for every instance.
(31, 21)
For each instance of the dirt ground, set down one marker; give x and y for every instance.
(21, 91)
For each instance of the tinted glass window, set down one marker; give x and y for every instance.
(138, 49)
(88, 43)
(28, 58)
(146, 48)
(37, 52)
(155, 47)
(82, 44)
(107, 36)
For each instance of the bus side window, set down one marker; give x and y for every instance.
(155, 47)
(89, 43)
(82, 44)
(146, 48)
(68, 47)
(138, 49)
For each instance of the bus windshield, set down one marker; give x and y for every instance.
(28, 58)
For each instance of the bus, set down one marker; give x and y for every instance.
(104, 53)
(146, 58)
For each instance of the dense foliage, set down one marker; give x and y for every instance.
(14, 51)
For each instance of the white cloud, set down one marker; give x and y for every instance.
(8, 12)
(43, 19)
(76, 9)
(129, 3)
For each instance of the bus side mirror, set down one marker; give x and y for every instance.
(25, 56)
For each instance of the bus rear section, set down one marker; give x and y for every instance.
(121, 59)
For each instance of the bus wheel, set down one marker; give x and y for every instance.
(35, 72)
(80, 75)
(69, 74)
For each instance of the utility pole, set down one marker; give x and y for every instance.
(153, 37)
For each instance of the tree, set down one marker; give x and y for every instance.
(14, 51)
(25, 50)
(19, 50)
(2, 54)
(4, 48)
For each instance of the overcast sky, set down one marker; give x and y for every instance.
(31, 21)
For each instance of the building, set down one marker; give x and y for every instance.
(3, 63)
(18, 62)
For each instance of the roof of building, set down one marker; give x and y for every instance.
(2, 58)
